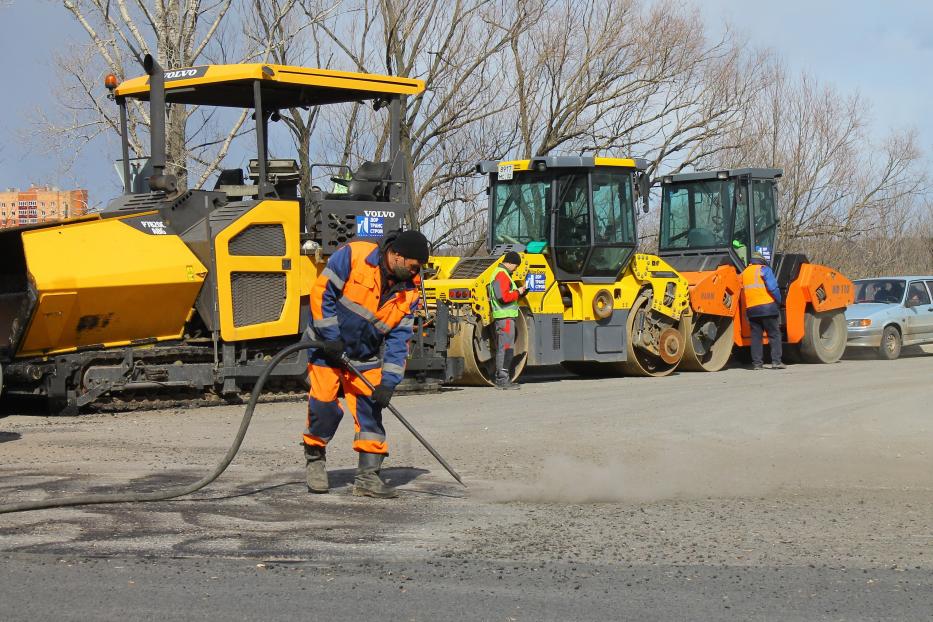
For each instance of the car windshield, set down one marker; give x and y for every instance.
(885, 291)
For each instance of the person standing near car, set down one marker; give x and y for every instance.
(503, 300)
(763, 309)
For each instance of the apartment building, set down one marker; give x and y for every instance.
(40, 204)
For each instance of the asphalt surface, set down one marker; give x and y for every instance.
(802, 494)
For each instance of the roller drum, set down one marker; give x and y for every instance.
(709, 342)
(642, 362)
(476, 346)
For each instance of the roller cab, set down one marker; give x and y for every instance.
(593, 304)
(711, 223)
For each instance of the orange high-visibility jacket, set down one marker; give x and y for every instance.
(346, 303)
(754, 288)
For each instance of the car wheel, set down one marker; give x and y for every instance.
(890, 347)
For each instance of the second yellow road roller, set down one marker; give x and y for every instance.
(593, 305)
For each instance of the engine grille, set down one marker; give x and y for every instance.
(338, 229)
(258, 297)
(471, 267)
(260, 241)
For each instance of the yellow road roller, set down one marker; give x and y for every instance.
(593, 304)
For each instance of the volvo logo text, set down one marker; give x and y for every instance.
(181, 73)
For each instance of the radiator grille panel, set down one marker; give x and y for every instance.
(258, 297)
(259, 241)
(471, 267)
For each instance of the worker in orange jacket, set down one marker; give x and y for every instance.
(362, 304)
(762, 307)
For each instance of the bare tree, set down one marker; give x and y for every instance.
(614, 77)
(844, 199)
(456, 49)
(181, 33)
(281, 31)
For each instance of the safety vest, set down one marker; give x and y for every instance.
(357, 314)
(502, 309)
(756, 294)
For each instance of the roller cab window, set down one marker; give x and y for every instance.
(696, 215)
(520, 209)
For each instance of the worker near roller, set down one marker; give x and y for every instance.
(762, 306)
(503, 300)
(362, 304)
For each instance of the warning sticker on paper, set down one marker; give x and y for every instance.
(370, 226)
(536, 282)
(765, 252)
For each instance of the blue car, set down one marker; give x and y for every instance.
(891, 312)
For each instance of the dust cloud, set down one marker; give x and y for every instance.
(689, 470)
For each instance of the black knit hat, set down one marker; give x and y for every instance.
(512, 257)
(411, 245)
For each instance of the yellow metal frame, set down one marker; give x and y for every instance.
(91, 295)
(285, 213)
(525, 165)
(643, 271)
(283, 75)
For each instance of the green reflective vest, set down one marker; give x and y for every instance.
(501, 309)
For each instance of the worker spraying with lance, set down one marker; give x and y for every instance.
(362, 309)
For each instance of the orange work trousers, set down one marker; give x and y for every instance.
(325, 413)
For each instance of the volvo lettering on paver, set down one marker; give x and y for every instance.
(185, 74)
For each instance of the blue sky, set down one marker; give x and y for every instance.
(882, 50)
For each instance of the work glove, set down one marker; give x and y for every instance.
(382, 394)
(333, 349)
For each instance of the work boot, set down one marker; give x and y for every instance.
(504, 375)
(316, 470)
(367, 482)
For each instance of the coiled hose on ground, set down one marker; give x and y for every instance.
(178, 491)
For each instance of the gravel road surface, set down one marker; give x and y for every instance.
(802, 494)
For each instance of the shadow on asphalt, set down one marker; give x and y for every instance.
(339, 478)
(869, 354)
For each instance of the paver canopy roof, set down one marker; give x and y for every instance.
(283, 86)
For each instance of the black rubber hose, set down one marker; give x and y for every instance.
(180, 491)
